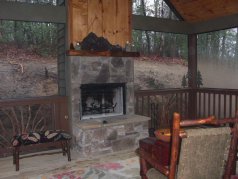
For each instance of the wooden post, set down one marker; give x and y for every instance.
(231, 161)
(192, 75)
(175, 146)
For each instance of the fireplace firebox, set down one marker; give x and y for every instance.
(102, 100)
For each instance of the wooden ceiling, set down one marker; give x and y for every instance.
(202, 10)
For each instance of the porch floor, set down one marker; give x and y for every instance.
(45, 166)
(54, 165)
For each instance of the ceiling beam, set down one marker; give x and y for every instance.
(57, 14)
(221, 23)
(174, 10)
(182, 27)
(160, 25)
(32, 12)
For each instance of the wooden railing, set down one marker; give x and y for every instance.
(160, 104)
(30, 114)
(223, 103)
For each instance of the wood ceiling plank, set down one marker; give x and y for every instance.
(202, 10)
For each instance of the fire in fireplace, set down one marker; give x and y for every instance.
(101, 100)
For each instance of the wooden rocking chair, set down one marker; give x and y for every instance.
(198, 153)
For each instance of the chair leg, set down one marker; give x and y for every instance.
(143, 168)
(68, 150)
(14, 155)
(63, 146)
(17, 152)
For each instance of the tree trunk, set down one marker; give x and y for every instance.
(223, 45)
(140, 40)
(1, 29)
(162, 9)
(215, 37)
(161, 45)
(236, 48)
(173, 49)
(15, 33)
(146, 32)
(155, 43)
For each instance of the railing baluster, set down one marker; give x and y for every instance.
(236, 104)
(209, 102)
(137, 105)
(176, 101)
(199, 104)
(152, 115)
(148, 105)
(157, 112)
(214, 103)
(143, 104)
(219, 105)
(162, 110)
(230, 106)
(204, 104)
(185, 105)
(224, 106)
(140, 105)
(181, 103)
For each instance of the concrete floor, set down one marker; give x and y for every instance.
(37, 165)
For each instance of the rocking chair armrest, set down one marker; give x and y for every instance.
(197, 122)
(165, 134)
(161, 168)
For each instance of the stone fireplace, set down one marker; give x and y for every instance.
(102, 105)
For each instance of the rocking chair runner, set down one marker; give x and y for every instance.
(202, 155)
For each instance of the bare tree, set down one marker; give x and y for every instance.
(223, 44)
(236, 47)
(143, 6)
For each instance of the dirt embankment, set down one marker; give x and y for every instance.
(26, 74)
(155, 74)
(23, 73)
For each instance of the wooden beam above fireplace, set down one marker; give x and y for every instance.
(104, 53)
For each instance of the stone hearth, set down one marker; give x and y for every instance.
(96, 136)
(120, 133)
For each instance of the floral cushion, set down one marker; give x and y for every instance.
(40, 137)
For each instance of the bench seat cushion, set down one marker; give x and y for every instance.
(40, 137)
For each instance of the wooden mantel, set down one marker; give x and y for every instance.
(104, 53)
(108, 18)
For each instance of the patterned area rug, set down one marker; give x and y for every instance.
(123, 169)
